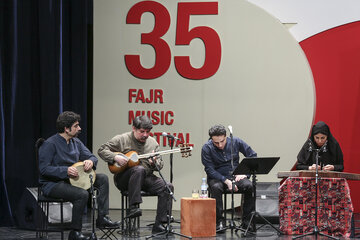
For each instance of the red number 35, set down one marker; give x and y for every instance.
(184, 35)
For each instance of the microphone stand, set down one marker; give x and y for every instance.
(94, 206)
(316, 230)
(232, 151)
(171, 144)
(171, 197)
(171, 140)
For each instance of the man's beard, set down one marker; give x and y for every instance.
(77, 134)
(74, 135)
(143, 139)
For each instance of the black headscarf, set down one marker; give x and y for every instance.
(322, 128)
(332, 154)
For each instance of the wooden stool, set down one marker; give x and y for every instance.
(198, 217)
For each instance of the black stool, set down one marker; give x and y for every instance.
(224, 196)
(44, 203)
(108, 233)
(225, 193)
(130, 226)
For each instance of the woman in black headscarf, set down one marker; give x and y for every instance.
(330, 154)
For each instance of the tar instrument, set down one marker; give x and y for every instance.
(83, 178)
(133, 157)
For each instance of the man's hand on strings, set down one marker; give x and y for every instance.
(121, 160)
(153, 159)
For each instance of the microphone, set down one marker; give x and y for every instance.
(170, 136)
(230, 129)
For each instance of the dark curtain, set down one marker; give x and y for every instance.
(45, 68)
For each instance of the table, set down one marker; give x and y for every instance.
(198, 217)
(297, 206)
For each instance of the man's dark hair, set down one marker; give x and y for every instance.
(217, 130)
(66, 120)
(143, 122)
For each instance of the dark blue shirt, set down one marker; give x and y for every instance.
(56, 155)
(217, 162)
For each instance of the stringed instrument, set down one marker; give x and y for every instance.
(133, 158)
(322, 173)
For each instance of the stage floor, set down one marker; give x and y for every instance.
(147, 219)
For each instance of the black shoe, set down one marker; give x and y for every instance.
(158, 228)
(165, 221)
(105, 222)
(220, 227)
(77, 235)
(133, 212)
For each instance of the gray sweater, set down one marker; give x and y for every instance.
(127, 142)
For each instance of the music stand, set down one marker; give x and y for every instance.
(253, 166)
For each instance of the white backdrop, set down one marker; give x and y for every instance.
(263, 87)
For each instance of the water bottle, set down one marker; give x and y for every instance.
(204, 189)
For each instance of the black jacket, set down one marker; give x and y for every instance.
(331, 154)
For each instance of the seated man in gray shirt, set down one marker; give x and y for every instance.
(141, 176)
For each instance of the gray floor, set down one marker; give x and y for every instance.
(265, 232)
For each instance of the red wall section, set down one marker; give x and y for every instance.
(334, 58)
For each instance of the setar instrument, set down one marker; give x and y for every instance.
(133, 158)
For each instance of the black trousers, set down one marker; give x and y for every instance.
(245, 186)
(79, 198)
(135, 179)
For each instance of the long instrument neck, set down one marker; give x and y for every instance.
(147, 155)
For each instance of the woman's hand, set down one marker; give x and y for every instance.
(329, 167)
(313, 167)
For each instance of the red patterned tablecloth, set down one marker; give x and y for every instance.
(297, 206)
